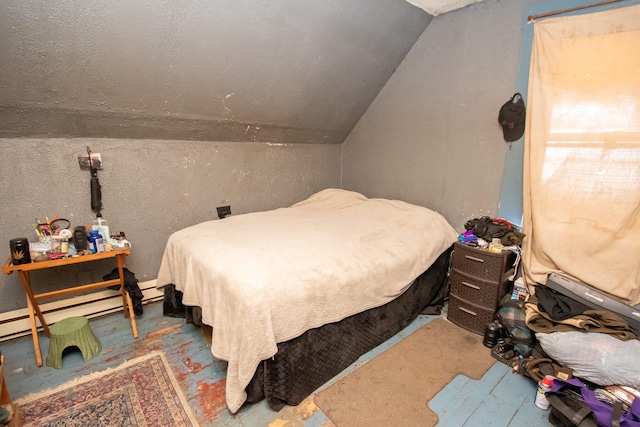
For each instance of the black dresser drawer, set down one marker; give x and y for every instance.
(480, 292)
(479, 279)
(468, 315)
(480, 263)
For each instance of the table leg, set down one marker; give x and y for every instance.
(5, 398)
(26, 284)
(123, 291)
(127, 304)
(132, 315)
(34, 332)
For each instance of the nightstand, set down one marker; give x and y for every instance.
(479, 279)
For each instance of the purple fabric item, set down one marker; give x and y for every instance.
(601, 410)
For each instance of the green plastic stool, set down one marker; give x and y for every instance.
(73, 331)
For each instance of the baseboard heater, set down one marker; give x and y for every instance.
(14, 324)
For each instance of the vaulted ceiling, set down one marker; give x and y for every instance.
(230, 70)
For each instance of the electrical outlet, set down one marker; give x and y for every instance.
(223, 211)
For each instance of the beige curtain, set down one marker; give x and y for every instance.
(582, 152)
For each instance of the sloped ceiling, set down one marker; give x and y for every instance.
(230, 70)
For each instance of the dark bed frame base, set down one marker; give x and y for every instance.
(303, 364)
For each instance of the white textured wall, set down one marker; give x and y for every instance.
(432, 136)
(277, 85)
(149, 190)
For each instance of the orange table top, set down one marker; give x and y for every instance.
(9, 268)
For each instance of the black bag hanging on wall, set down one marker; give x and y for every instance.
(96, 189)
(512, 117)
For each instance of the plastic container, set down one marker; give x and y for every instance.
(59, 245)
(91, 241)
(99, 242)
(100, 224)
(544, 385)
(20, 252)
(495, 246)
(96, 243)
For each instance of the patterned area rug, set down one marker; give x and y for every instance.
(140, 392)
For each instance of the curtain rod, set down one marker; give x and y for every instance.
(558, 12)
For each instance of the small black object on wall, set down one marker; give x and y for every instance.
(223, 211)
(96, 189)
(512, 117)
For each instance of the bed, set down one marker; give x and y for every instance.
(293, 295)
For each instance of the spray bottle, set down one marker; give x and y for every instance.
(544, 385)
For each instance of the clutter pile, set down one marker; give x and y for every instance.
(57, 240)
(585, 358)
(485, 229)
(591, 357)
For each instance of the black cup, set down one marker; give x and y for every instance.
(80, 238)
(492, 333)
(20, 251)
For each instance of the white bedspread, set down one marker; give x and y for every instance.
(267, 277)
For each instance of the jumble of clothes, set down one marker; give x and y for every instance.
(549, 311)
(593, 355)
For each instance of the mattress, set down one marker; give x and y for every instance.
(267, 277)
(305, 363)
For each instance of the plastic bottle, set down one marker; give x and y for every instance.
(495, 246)
(100, 224)
(544, 385)
(96, 243)
(91, 241)
(99, 243)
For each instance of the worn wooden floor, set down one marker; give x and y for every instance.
(500, 398)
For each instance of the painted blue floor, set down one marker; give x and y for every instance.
(500, 398)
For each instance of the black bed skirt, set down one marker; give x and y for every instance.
(303, 364)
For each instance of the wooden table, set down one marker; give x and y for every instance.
(33, 299)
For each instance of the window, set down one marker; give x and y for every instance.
(581, 198)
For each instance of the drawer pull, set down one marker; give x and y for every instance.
(467, 311)
(471, 285)
(472, 258)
